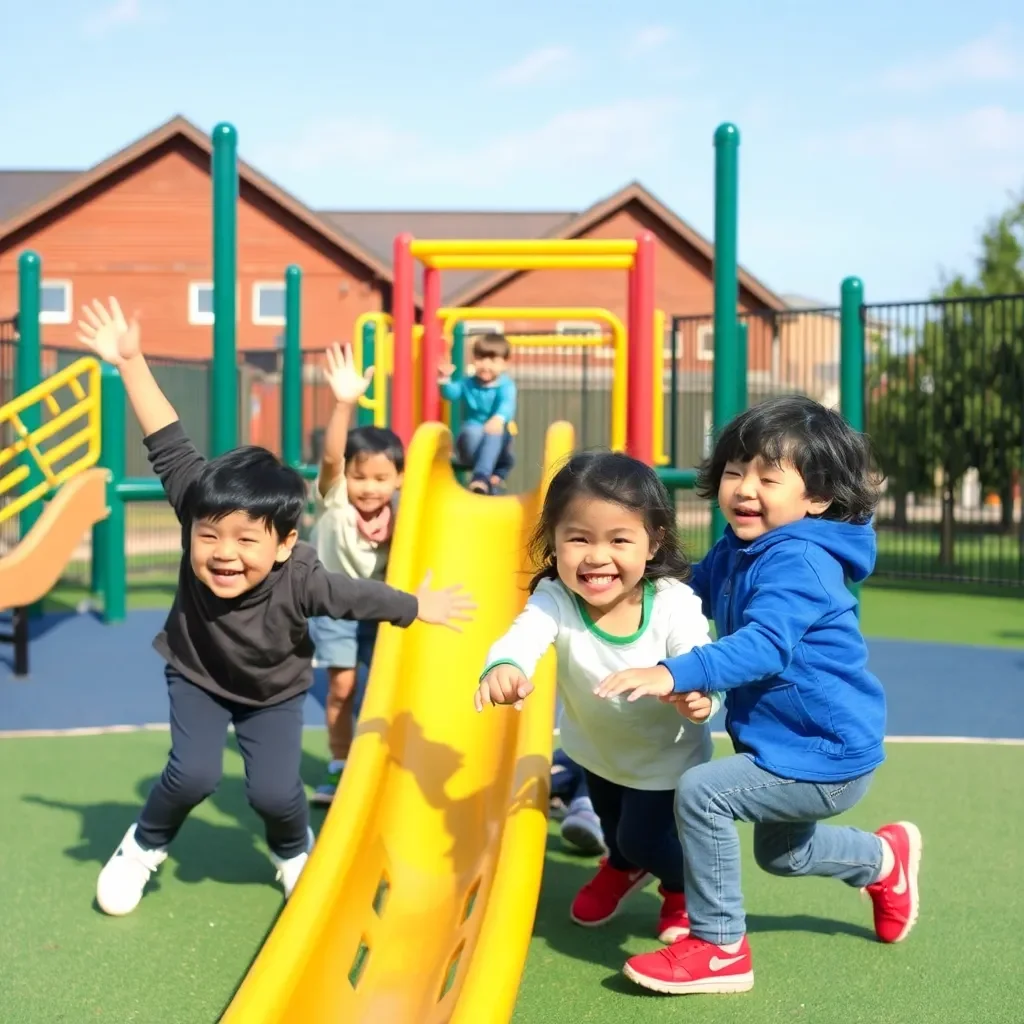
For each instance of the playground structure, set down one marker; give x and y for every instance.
(432, 852)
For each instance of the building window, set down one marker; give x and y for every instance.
(268, 303)
(579, 328)
(706, 342)
(55, 302)
(471, 327)
(200, 302)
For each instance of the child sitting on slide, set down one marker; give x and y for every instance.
(360, 473)
(488, 405)
(236, 641)
(609, 594)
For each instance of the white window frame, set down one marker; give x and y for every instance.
(194, 315)
(704, 331)
(51, 317)
(266, 321)
(579, 328)
(471, 327)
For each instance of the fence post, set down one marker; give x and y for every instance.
(458, 360)
(112, 548)
(726, 291)
(365, 417)
(291, 369)
(224, 378)
(28, 368)
(851, 363)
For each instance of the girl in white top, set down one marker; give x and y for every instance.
(610, 595)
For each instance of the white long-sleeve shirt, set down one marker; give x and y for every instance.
(645, 744)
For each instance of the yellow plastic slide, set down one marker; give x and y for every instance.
(417, 904)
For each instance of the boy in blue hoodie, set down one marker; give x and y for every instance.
(806, 717)
(488, 397)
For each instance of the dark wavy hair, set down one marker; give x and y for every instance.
(617, 478)
(833, 459)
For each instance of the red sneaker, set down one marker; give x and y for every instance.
(692, 965)
(896, 897)
(673, 922)
(599, 900)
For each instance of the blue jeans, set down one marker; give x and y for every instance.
(486, 455)
(711, 797)
(568, 779)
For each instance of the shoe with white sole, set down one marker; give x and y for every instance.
(289, 868)
(581, 828)
(895, 897)
(123, 879)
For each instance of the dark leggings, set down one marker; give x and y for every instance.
(639, 827)
(270, 739)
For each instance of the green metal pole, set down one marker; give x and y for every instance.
(726, 290)
(742, 393)
(364, 417)
(291, 369)
(459, 362)
(851, 363)
(112, 427)
(28, 369)
(224, 379)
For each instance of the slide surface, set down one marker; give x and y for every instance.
(30, 570)
(417, 904)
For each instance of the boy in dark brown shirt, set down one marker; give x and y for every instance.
(235, 641)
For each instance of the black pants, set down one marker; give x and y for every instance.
(270, 740)
(639, 828)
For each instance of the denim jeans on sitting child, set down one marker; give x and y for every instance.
(486, 455)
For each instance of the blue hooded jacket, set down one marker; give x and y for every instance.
(790, 655)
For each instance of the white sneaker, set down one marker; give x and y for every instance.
(289, 868)
(123, 878)
(581, 827)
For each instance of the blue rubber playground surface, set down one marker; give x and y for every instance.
(86, 675)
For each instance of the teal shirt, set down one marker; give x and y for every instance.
(482, 401)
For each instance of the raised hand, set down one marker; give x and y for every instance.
(108, 334)
(445, 372)
(504, 684)
(347, 383)
(445, 607)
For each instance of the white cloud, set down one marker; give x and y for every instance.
(984, 144)
(113, 16)
(986, 60)
(653, 37)
(538, 66)
(626, 136)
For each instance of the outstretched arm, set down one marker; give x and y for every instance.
(347, 385)
(117, 341)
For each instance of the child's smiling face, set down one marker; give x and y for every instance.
(601, 550)
(758, 496)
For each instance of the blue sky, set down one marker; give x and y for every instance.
(876, 137)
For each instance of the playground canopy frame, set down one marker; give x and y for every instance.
(635, 256)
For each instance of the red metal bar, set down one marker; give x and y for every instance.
(403, 313)
(639, 435)
(430, 349)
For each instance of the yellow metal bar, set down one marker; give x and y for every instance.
(529, 262)
(87, 405)
(426, 248)
(451, 315)
(382, 322)
(661, 457)
(542, 340)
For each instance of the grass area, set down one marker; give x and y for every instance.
(179, 957)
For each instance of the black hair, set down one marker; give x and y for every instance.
(250, 480)
(624, 481)
(364, 441)
(833, 459)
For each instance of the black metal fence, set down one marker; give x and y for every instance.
(944, 407)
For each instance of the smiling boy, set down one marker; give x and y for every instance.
(235, 642)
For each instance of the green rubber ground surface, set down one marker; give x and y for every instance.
(64, 803)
